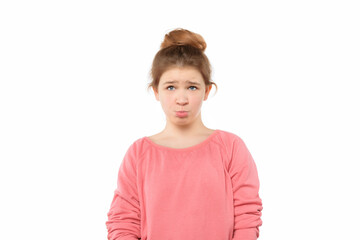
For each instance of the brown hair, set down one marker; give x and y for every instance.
(181, 48)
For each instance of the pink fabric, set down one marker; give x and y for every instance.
(206, 191)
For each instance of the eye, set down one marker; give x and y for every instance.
(173, 86)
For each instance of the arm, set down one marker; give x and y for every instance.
(245, 183)
(124, 214)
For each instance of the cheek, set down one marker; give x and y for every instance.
(196, 101)
(165, 101)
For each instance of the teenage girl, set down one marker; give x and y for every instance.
(188, 182)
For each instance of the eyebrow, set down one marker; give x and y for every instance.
(194, 83)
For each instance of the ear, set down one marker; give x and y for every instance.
(156, 93)
(207, 91)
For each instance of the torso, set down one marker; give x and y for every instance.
(165, 141)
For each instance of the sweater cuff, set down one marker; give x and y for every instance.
(246, 234)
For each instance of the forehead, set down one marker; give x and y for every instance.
(182, 75)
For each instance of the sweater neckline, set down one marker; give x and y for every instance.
(193, 147)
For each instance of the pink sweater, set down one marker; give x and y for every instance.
(209, 191)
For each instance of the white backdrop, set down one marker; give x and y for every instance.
(73, 98)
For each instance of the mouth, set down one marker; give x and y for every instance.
(181, 114)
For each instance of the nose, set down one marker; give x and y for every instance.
(181, 98)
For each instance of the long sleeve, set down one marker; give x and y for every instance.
(245, 183)
(124, 214)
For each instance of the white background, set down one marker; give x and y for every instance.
(73, 98)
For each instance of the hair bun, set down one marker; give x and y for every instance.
(182, 36)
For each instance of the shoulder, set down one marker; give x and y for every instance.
(136, 146)
(230, 138)
(232, 143)
(135, 150)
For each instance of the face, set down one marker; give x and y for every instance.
(182, 89)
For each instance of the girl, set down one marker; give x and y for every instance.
(188, 182)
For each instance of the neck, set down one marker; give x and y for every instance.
(176, 130)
